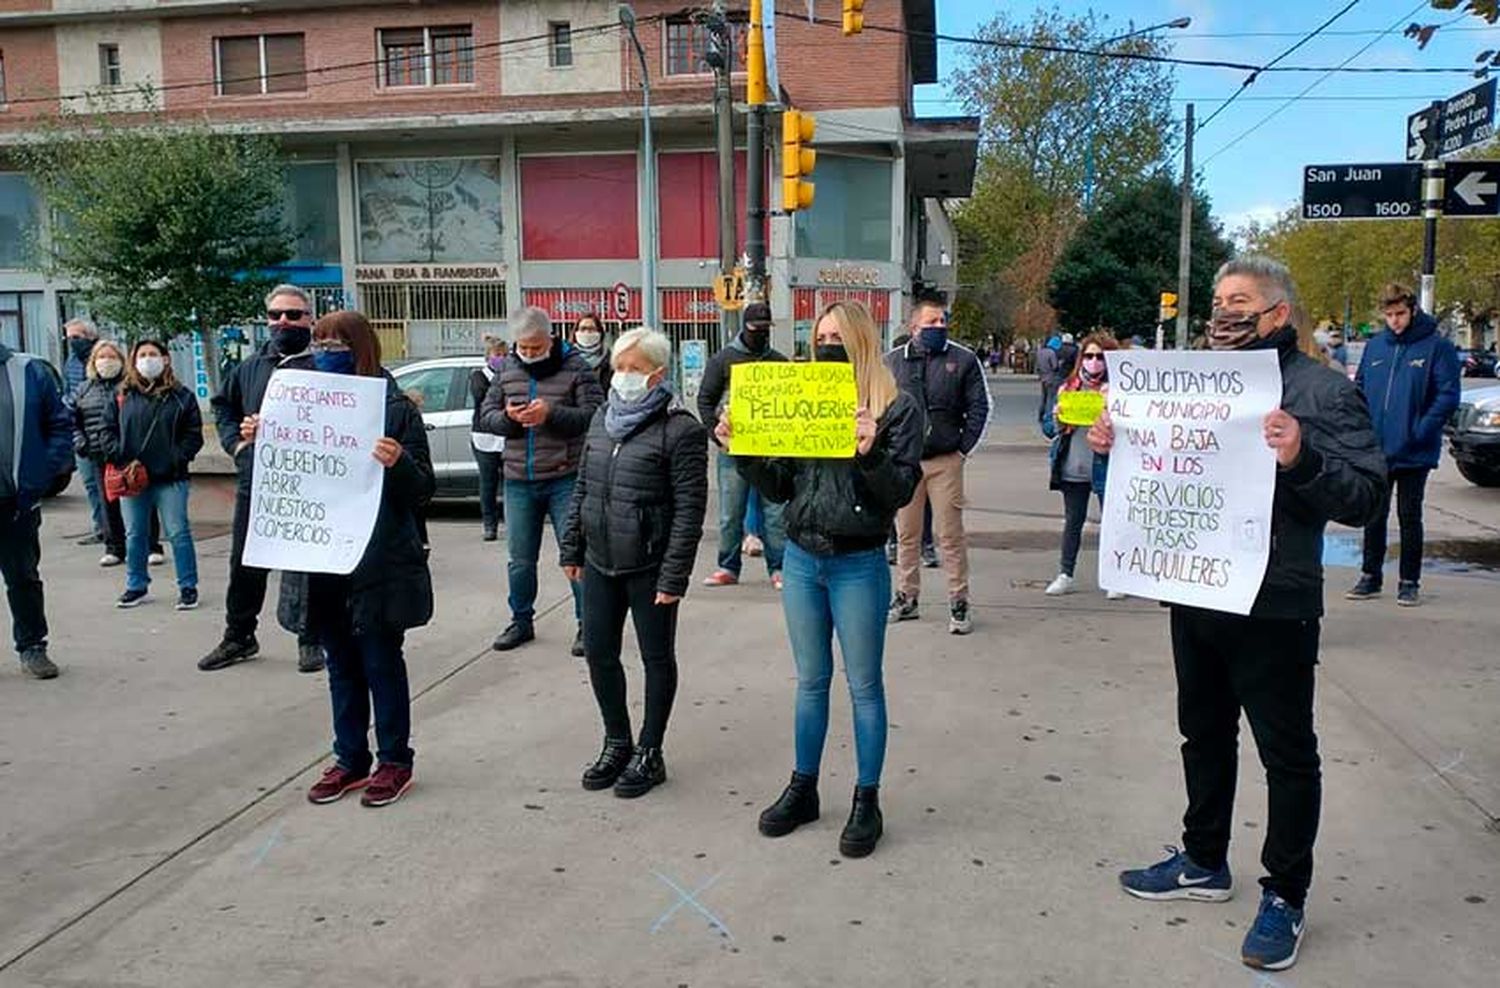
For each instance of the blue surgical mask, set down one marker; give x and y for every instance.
(630, 386)
(934, 338)
(334, 361)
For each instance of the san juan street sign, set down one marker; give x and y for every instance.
(1471, 189)
(1462, 121)
(1362, 192)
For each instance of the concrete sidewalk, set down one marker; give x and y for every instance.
(156, 831)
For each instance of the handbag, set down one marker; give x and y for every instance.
(131, 480)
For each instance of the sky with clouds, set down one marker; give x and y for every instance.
(1343, 118)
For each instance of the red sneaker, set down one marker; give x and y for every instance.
(776, 581)
(336, 781)
(388, 784)
(721, 578)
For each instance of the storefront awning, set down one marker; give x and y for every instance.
(941, 155)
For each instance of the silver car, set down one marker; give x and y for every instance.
(440, 387)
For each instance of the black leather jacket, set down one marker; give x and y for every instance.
(839, 506)
(639, 503)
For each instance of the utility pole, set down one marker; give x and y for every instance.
(724, 138)
(755, 152)
(1185, 237)
(1432, 209)
(649, 249)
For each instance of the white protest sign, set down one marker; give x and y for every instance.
(316, 487)
(1187, 506)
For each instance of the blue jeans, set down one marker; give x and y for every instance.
(528, 505)
(92, 473)
(367, 671)
(734, 493)
(846, 595)
(755, 515)
(171, 502)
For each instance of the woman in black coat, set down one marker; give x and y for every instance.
(632, 535)
(361, 619)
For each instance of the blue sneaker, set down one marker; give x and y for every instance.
(1178, 878)
(1271, 944)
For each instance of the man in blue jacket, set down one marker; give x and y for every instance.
(1410, 378)
(36, 443)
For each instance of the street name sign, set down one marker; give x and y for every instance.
(1362, 192)
(1457, 123)
(1422, 134)
(1471, 189)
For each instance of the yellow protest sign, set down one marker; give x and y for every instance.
(795, 410)
(1079, 407)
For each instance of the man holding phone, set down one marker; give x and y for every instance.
(541, 401)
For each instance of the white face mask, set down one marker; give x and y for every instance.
(630, 386)
(108, 368)
(150, 367)
(533, 359)
(589, 339)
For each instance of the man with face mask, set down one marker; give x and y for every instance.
(289, 313)
(1328, 468)
(751, 345)
(81, 337)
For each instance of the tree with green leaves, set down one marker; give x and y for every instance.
(165, 228)
(1113, 271)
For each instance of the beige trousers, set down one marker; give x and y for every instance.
(943, 483)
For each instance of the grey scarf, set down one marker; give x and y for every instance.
(620, 419)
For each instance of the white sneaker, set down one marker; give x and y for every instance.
(157, 558)
(1115, 595)
(1063, 584)
(109, 559)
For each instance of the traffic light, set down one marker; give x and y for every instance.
(797, 128)
(854, 17)
(1168, 308)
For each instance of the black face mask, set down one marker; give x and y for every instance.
(81, 347)
(292, 340)
(757, 339)
(831, 353)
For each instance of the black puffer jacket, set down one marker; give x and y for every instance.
(1339, 477)
(241, 395)
(638, 503)
(391, 588)
(164, 430)
(837, 506)
(571, 389)
(90, 403)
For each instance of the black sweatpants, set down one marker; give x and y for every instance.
(606, 599)
(246, 594)
(1226, 663)
(1411, 487)
(20, 566)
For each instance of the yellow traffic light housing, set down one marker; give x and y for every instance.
(854, 17)
(797, 162)
(1168, 309)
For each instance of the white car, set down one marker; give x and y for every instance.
(440, 387)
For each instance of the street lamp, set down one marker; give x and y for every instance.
(648, 249)
(1088, 160)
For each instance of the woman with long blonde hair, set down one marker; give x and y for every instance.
(838, 512)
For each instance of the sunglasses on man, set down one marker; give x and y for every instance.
(274, 315)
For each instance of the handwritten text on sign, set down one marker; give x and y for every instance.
(1187, 507)
(316, 487)
(796, 410)
(1079, 407)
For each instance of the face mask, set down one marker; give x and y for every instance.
(589, 339)
(756, 338)
(109, 368)
(81, 347)
(630, 386)
(1230, 330)
(150, 368)
(292, 340)
(934, 338)
(536, 359)
(831, 353)
(495, 362)
(334, 361)
(1092, 370)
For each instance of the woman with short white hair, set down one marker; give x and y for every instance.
(632, 537)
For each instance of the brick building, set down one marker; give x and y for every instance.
(450, 160)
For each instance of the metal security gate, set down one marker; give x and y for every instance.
(808, 302)
(689, 314)
(430, 320)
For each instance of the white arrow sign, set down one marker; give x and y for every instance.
(1417, 149)
(1472, 188)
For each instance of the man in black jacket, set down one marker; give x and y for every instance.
(1328, 468)
(290, 314)
(947, 380)
(753, 344)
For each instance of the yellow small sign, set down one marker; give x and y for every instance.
(729, 290)
(1079, 407)
(793, 410)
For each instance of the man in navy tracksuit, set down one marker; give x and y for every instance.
(1410, 377)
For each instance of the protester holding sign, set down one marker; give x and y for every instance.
(1328, 467)
(152, 431)
(361, 619)
(837, 582)
(631, 539)
(1078, 471)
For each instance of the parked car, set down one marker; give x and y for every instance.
(1474, 435)
(440, 387)
(1478, 363)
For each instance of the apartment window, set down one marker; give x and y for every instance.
(687, 45)
(427, 56)
(260, 63)
(560, 50)
(109, 65)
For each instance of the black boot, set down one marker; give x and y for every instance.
(645, 772)
(798, 805)
(612, 761)
(865, 825)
